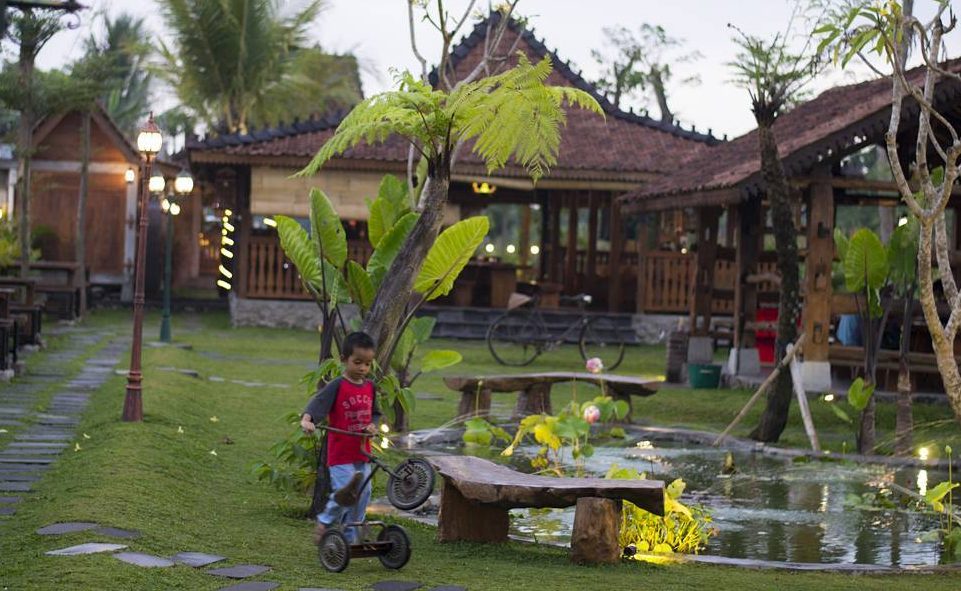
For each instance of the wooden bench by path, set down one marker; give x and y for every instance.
(477, 495)
(535, 389)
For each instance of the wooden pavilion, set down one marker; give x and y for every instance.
(584, 243)
(731, 264)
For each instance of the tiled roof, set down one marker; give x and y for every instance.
(835, 120)
(622, 146)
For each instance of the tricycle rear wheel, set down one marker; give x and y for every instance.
(397, 555)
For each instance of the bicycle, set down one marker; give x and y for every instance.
(521, 334)
(409, 485)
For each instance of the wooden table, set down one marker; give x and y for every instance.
(534, 390)
(67, 279)
(478, 493)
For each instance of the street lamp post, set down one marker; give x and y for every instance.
(183, 185)
(149, 142)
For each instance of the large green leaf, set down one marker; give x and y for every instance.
(326, 230)
(903, 255)
(361, 287)
(390, 205)
(405, 345)
(866, 263)
(841, 244)
(335, 286)
(299, 249)
(439, 359)
(448, 256)
(388, 247)
(422, 328)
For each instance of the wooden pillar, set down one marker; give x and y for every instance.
(644, 230)
(570, 254)
(750, 224)
(817, 271)
(524, 242)
(554, 263)
(617, 245)
(590, 271)
(707, 227)
(241, 269)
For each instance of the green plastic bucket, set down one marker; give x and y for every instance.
(704, 375)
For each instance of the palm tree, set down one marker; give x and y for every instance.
(126, 48)
(235, 64)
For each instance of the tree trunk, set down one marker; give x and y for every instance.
(390, 303)
(28, 53)
(904, 421)
(80, 245)
(775, 415)
(658, 83)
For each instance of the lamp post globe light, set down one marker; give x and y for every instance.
(183, 185)
(149, 143)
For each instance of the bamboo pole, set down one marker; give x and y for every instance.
(792, 350)
(802, 401)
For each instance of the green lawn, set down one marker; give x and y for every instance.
(182, 497)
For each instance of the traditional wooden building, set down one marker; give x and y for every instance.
(727, 265)
(570, 233)
(114, 173)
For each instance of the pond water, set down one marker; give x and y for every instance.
(773, 508)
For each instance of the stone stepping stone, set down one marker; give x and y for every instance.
(144, 560)
(116, 532)
(196, 559)
(91, 548)
(20, 468)
(449, 588)
(24, 460)
(396, 586)
(43, 451)
(10, 499)
(10, 423)
(52, 436)
(317, 589)
(69, 527)
(7, 510)
(7, 486)
(37, 445)
(12, 410)
(241, 571)
(252, 586)
(21, 477)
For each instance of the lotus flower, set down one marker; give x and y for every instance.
(595, 365)
(592, 414)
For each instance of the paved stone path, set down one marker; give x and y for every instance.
(38, 438)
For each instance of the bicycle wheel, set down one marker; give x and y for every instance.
(399, 552)
(413, 484)
(334, 551)
(515, 338)
(600, 338)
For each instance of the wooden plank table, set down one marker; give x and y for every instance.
(478, 493)
(535, 389)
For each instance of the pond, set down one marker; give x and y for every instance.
(772, 508)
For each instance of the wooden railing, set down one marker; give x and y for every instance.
(270, 275)
(668, 277)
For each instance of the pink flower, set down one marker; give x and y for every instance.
(592, 414)
(595, 365)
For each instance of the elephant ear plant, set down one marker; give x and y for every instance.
(334, 281)
(878, 276)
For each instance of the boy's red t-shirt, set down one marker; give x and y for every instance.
(352, 411)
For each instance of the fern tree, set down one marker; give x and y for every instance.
(510, 115)
(773, 77)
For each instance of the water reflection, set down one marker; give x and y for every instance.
(776, 509)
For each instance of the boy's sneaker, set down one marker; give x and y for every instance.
(319, 531)
(349, 494)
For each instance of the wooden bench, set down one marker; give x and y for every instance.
(26, 306)
(9, 333)
(888, 362)
(62, 284)
(535, 390)
(477, 494)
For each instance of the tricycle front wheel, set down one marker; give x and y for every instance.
(334, 551)
(412, 485)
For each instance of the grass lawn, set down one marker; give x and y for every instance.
(184, 498)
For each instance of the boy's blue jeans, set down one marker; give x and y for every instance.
(337, 515)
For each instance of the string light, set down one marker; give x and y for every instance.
(226, 253)
(223, 284)
(225, 272)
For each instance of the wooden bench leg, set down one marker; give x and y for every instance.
(460, 519)
(597, 525)
(534, 400)
(476, 403)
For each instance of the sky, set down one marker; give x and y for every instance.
(376, 31)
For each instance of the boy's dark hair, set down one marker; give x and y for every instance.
(355, 340)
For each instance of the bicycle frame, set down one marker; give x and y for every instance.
(551, 340)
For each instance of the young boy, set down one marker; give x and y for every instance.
(349, 403)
